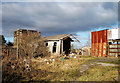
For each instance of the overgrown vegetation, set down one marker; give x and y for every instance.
(100, 73)
(2, 40)
(17, 70)
(62, 70)
(32, 46)
(69, 70)
(58, 70)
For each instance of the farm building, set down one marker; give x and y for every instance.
(85, 51)
(105, 42)
(59, 43)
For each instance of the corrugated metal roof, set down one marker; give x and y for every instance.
(57, 37)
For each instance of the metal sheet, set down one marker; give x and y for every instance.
(99, 43)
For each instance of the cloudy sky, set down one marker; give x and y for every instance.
(52, 18)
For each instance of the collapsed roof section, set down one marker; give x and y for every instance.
(59, 37)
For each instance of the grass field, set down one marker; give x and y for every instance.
(98, 73)
(69, 70)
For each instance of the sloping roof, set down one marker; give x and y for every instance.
(57, 37)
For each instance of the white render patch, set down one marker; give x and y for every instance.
(50, 46)
(119, 33)
(113, 33)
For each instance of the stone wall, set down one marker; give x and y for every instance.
(21, 34)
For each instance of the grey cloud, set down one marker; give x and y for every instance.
(58, 18)
(0, 18)
(109, 5)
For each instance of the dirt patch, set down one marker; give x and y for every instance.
(100, 61)
(106, 64)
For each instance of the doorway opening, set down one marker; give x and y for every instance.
(66, 45)
(54, 47)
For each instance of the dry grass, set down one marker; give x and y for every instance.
(100, 73)
(62, 70)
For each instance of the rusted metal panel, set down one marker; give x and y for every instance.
(99, 43)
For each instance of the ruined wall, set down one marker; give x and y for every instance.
(8, 51)
(21, 34)
(29, 43)
(12, 51)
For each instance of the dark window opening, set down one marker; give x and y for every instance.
(54, 47)
(110, 42)
(46, 44)
(55, 43)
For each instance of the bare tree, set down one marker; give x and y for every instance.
(88, 41)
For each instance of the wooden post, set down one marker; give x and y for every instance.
(7, 51)
(61, 46)
(17, 46)
(108, 49)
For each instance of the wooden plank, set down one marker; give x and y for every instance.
(114, 52)
(114, 48)
(114, 44)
